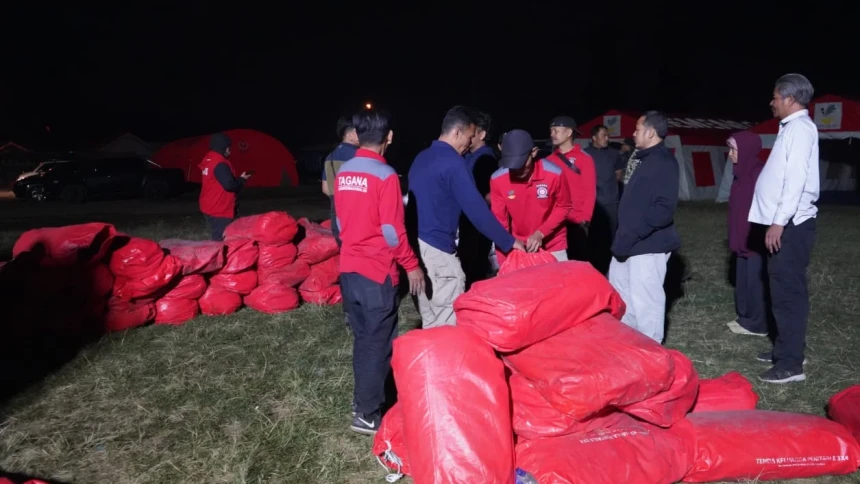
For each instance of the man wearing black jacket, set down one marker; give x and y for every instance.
(646, 233)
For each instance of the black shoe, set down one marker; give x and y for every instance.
(775, 375)
(767, 357)
(365, 424)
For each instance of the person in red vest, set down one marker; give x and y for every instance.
(581, 178)
(220, 186)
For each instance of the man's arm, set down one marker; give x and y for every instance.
(477, 211)
(664, 189)
(227, 180)
(799, 141)
(561, 208)
(325, 183)
(393, 225)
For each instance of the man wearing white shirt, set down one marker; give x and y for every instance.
(784, 201)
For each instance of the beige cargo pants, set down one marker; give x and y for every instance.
(447, 281)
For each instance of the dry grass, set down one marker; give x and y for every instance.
(251, 398)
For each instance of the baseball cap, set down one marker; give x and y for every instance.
(517, 145)
(564, 122)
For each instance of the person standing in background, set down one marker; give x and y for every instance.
(784, 204)
(219, 186)
(344, 152)
(481, 161)
(609, 166)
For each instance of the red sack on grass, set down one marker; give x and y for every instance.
(456, 407)
(318, 245)
(274, 228)
(666, 408)
(731, 391)
(273, 299)
(630, 452)
(766, 446)
(191, 286)
(534, 417)
(322, 275)
(327, 297)
(520, 259)
(197, 257)
(241, 255)
(388, 444)
(517, 310)
(101, 280)
(241, 282)
(148, 284)
(844, 407)
(599, 363)
(219, 302)
(136, 259)
(175, 311)
(274, 257)
(63, 246)
(123, 314)
(292, 275)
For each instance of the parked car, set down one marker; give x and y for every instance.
(43, 167)
(77, 181)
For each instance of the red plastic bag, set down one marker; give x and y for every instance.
(189, 287)
(766, 446)
(388, 444)
(219, 302)
(666, 408)
(322, 275)
(326, 224)
(599, 363)
(147, 285)
(731, 391)
(292, 275)
(197, 257)
(241, 256)
(241, 282)
(456, 407)
(272, 228)
(534, 417)
(175, 311)
(844, 407)
(136, 259)
(520, 259)
(517, 310)
(327, 297)
(63, 246)
(318, 245)
(273, 299)
(274, 257)
(123, 314)
(629, 452)
(100, 280)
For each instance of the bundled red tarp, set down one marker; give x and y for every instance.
(272, 228)
(731, 391)
(136, 259)
(69, 245)
(844, 407)
(175, 311)
(388, 444)
(219, 302)
(187, 287)
(197, 257)
(318, 244)
(667, 408)
(240, 282)
(326, 297)
(150, 284)
(291, 275)
(761, 445)
(456, 408)
(322, 275)
(273, 298)
(519, 259)
(519, 309)
(241, 256)
(123, 314)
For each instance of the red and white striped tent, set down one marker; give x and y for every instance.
(698, 144)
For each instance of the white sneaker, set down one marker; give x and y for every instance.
(736, 328)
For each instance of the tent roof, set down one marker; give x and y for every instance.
(831, 113)
(695, 130)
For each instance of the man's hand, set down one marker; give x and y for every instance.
(416, 281)
(773, 238)
(535, 241)
(518, 245)
(245, 175)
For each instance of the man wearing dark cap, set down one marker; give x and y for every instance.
(530, 198)
(579, 171)
(220, 187)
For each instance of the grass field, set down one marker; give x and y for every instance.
(250, 398)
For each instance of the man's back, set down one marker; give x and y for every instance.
(430, 183)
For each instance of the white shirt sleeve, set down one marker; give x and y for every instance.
(799, 141)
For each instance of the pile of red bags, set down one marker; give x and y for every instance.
(319, 251)
(541, 374)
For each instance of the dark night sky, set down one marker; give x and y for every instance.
(165, 72)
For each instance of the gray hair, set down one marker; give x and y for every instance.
(797, 87)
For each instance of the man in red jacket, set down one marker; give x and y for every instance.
(219, 186)
(370, 217)
(530, 198)
(581, 181)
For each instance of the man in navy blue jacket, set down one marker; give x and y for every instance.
(646, 234)
(442, 188)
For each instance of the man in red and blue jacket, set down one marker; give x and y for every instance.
(220, 186)
(373, 235)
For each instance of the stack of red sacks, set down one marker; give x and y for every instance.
(540, 374)
(318, 249)
(183, 299)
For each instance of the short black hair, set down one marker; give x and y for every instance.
(344, 124)
(485, 122)
(658, 121)
(371, 127)
(458, 117)
(597, 129)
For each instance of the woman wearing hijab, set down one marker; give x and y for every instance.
(744, 241)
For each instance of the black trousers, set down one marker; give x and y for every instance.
(577, 242)
(335, 230)
(604, 223)
(789, 294)
(751, 292)
(217, 226)
(372, 311)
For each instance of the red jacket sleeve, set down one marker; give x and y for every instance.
(561, 206)
(393, 226)
(500, 211)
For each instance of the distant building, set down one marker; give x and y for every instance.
(128, 144)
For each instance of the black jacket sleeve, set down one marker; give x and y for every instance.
(227, 180)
